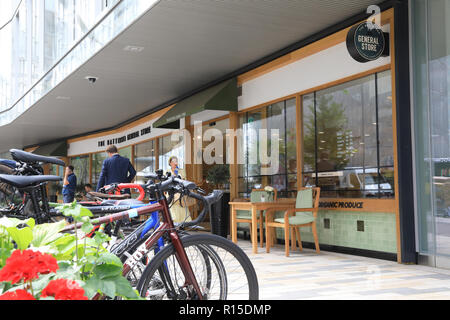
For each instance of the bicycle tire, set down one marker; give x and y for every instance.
(139, 267)
(224, 248)
(209, 261)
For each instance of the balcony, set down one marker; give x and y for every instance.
(15, 96)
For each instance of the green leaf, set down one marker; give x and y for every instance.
(84, 212)
(87, 227)
(42, 282)
(12, 222)
(101, 238)
(124, 288)
(92, 287)
(68, 271)
(5, 286)
(107, 270)
(22, 237)
(109, 258)
(45, 234)
(108, 287)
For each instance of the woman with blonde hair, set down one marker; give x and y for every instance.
(179, 213)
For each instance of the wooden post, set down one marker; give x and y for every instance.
(234, 185)
(299, 143)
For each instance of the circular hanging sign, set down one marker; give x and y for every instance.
(365, 42)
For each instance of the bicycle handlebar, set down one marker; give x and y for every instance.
(208, 201)
(173, 184)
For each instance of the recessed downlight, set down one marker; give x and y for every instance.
(62, 98)
(135, 49)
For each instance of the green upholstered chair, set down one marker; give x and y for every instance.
(303, 215)
(245, 216)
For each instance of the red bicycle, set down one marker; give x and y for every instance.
(188, 266)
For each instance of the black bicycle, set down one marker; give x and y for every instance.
(23, 186)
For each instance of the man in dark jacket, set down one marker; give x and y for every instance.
(70, 184)
(116, 169)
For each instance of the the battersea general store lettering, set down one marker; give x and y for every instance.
(123, 139)
(368, 43)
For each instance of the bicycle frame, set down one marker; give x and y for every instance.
(166, 227)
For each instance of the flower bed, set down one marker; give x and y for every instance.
(38, 262)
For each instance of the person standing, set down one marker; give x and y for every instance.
(115, 169)
(70, 184)
(179, 213)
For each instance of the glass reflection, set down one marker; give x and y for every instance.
(340, 133)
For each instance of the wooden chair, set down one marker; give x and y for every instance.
(303, 215)
(245, 216)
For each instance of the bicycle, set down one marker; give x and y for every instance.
(196, 267)
(23, 186)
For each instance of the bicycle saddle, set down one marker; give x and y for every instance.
(110, 196)
(23, 156)
(27, 181)
(129, 202)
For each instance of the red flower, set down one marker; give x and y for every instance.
(63, 289)
(27, 265)
(17, 295)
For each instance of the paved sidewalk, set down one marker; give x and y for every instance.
(333, 276)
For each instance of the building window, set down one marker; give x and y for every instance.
(81, 169)
(97, 163)
(169, 148)
(144, 160)
(219, 159)
(126, 152)
(347, 139)
(252, 175)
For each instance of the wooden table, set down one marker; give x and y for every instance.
(255, 208)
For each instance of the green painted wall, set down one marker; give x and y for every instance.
(379, 230)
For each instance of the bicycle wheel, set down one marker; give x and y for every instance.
(239, 282)
(210, 264)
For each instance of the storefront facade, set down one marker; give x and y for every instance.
(337, 124)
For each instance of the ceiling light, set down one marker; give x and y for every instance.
(134, 49)
(62, 98)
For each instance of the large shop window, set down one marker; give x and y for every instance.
(126, 152)
(81, 168)
(97, 163)
(171, 145)
(341, 128)
(144, 160)
(279, 116)
(219, 159)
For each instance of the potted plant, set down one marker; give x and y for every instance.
(270, 192)
(219, 176)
